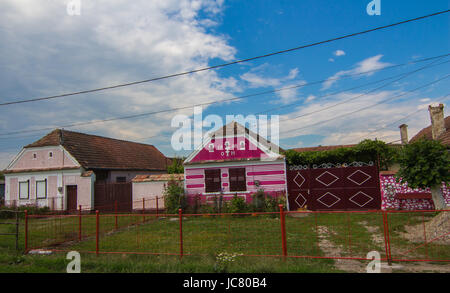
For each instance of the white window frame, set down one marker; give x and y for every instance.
(50, 155)
(40, 181)
(211, 148)
(28, 190)
(34, 156)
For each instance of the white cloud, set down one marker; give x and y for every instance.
(354, 127)
(310, 98)
(369, 64)
(339, 53)
(331, 59)
(262, 76)
(111, 42)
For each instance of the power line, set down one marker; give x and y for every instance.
(367, 107)
(405, 118)
(225, 64)
(74, 124)
(402, 76)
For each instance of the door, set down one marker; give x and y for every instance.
(71, 197)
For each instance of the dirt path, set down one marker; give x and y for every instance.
(378, 238)
(330, 249)
(436, 230)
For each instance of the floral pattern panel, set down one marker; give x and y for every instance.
(389, 187)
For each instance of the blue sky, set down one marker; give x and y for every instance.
(44, 51)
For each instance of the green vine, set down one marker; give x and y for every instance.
(366, 151)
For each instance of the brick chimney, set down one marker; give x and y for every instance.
(404, 133)
(437, 120)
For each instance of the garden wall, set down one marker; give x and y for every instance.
(389, 187)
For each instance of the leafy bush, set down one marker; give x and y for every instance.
(259, 201)
(237, 205)
(263, 202)
(366, 151)
(176, 167)
(32, 210)
(174, 197)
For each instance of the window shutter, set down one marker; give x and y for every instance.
(212, 180)
(237, 179)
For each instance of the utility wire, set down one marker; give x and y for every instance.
(225, 64)
(74, 124)
(367, 107)
(404, 118)
(402, 76)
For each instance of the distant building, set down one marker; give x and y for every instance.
(60, 169)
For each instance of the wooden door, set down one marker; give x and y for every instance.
(71, 197)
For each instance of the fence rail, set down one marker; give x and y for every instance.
(15, 223)
(148, 204)
(396, 235)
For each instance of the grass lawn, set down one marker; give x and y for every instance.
(203, 238)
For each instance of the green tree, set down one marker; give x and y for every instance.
(176, 167)
(425, 163)
(174, 197)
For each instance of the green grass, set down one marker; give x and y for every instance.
(203, 238)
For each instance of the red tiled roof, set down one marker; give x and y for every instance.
(97, 152)
(323, 148)
(158, 177)
(426, 132)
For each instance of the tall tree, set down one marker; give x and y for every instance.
(425, 163)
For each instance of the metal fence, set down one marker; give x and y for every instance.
(396, 235)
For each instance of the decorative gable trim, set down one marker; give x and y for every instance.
(270, 154)
(20, 154)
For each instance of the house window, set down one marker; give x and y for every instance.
(24, 190)
(50, 155)
(242, 144)
(212, 180)
(41, 189)
(211, 148)
(34, 156)
(237, 179)
(121, 179)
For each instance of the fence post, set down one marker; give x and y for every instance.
(26, 231)
(283, 231)
(79, 223)
(17, 229)
(387, 244)
(424, 234)
(115, 212)
(156, 206)
(143, 209)
(180, 217)
(97, 220)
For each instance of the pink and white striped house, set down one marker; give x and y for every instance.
(235, 163)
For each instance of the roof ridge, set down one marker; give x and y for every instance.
(118, 139)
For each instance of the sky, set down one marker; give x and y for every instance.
(347, 90)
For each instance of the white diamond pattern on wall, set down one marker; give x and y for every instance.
(299, 179)
(356, 180)
(302, 199)
(328, 195)
(365, 199)
(327, 178)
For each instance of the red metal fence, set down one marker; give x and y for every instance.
(396, 235)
